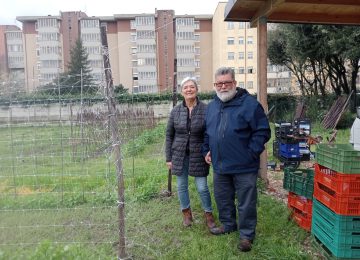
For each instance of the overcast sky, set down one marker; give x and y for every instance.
(9, 9)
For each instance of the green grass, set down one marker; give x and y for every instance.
(57, 204)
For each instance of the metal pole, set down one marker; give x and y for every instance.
(174, 98)
(109, 95)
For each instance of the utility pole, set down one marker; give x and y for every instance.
(109, 95)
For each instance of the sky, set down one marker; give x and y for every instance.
(10, 9)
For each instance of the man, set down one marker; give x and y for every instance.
(236, 132)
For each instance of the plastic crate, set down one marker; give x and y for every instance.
(335, 221)
(300, 202)
(291, 149)
(302, 219)
(343, 253)
(338, 245)
(299, 181)
(343, 205)
(338, 157)
(340, 183)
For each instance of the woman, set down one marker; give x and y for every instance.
(184, 138)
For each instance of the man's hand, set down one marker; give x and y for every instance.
(208, 158)
(169, 165)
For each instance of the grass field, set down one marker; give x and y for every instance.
(59, 201)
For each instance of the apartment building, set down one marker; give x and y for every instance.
(11, 58)
(235, 45)
(145, 50)
(145, 47)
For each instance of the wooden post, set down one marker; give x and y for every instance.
(109, 95)
(262, 82)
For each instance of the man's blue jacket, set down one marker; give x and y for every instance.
(236, 132)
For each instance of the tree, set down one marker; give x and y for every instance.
(78, 76)
(318, 55)
(120, 89)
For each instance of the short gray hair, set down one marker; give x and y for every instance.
(189, 79)
(225, 71)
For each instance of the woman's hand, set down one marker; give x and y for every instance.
(208, 158)
(169, 165)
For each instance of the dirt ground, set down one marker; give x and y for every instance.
(275, 177)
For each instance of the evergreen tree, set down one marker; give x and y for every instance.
(78, 74)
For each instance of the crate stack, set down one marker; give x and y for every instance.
(336, 203)
(290, 144)
(300, 184)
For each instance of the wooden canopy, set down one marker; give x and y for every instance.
(294, 11)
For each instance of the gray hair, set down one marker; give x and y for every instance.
(189, 79)
(225, 71)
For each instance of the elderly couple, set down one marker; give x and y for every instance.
(229, 133)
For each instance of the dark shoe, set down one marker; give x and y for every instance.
(245, 245)
(220, 231)
(187, 215)
(209, 219)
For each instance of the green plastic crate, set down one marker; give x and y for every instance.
(299, 181)
(347, 254)
(338, 157)
(335, 222)
(337, 230)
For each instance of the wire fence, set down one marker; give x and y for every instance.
(58, 178)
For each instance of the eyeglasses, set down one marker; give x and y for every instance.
(226, 83)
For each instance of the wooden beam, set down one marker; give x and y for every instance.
(325, 2)
(267, 9)
(320, 18)
(262, 81)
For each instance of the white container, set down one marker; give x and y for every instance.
(355, 134)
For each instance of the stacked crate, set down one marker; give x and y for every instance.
(290, 144)
(300, 184)
(336, 205)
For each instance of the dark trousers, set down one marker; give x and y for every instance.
(244, 186)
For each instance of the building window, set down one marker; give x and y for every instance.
(250, 40)
(230, 41)
(241, 70)
(230, 25)
(241, 55)
(231, 56)
(241, 84)
(250, 55)
(250, 70)
(241, 25)
(197, 25)
(241, 40)
(249, 85)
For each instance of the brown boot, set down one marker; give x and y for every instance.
(210, 221)
(187, 217)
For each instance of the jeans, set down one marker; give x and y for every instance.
(243, 185)
(201, 186)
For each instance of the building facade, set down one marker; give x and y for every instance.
(146, 51)
(11, 59)
(235, 45)
(149, 53)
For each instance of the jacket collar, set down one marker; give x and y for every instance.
(197, 102)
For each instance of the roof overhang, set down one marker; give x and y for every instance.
(345, 12)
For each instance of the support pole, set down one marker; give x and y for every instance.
(116, 149)
(262, 83)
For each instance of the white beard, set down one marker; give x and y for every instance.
(226, 96)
